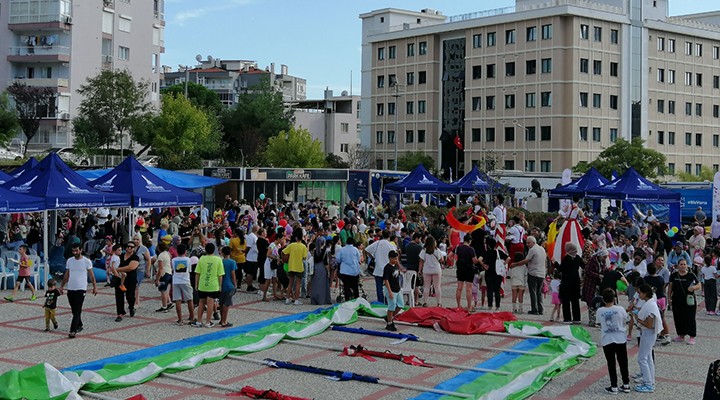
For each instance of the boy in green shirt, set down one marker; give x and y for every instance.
(208, 280)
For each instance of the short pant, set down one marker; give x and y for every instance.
(182, 292)
(205, 295)
(226, 298)
(251, 268)
(396, 302)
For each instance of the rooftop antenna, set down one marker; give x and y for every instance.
(350, 83)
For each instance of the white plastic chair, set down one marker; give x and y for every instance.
(36, 264)
(11, 267)
(4, 275)
(408, 286)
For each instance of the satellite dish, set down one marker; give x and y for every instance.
(344, 93)
(198, 58)
(210, 58)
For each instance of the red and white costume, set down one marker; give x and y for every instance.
(570, 231)
(500, 213)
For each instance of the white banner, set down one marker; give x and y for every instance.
(716, 196)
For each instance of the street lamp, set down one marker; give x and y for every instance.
(187, 77)
(397, 96)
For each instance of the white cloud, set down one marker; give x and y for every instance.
(183, 16)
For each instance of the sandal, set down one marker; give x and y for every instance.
(424, 305)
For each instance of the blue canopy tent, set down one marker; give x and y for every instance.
(4, 177)
(12, 202)
(145, 188)
(591, 180)
(472, 182)
(630, 187)
(423, 182)
(29, 164)
(180, 180)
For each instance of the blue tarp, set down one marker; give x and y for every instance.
(181, 180)
(29, 164)
(634, 188)
(145, 189)
(473, 182)
(591, 180)
(62, 188)
(421, 181)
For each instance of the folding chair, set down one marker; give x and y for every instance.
(408, 286)
(5, 275)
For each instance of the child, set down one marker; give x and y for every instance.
(612, 319)
(555, 296)
(182, 290)
(709, 274)
(51, 296)
(635, 304)
(391, 288)
(24, 273)
(479, 285)
(114, 264)
(650, 324)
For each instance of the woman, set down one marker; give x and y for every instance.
(681, 292)
(197, 239)
(262, 245)
(334, 265)
(271, 265)
(320, 284)
(128, 264)
(431, 269)
(696, 243)
(163, 277)
(570, 284)
(237, 249)
(485, 248)
(569, 232)
(591, 281)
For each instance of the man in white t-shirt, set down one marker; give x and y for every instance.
(379, 251)
(77, 270)
(251, 258)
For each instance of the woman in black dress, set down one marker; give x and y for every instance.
(570, 284)
(492, 279)
(128, 264)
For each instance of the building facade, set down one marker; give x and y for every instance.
(541, 86)
(60, 43)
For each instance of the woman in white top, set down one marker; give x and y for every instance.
(431, 270)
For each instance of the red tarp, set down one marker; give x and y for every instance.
(251, 392)
(457, 320)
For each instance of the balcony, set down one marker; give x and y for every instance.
(43, 82)
(39, 54)
(106, 61)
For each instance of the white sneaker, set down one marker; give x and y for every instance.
(288, 301)
(298, 303)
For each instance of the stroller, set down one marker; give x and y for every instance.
(341, 292)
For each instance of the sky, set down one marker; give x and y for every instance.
(319, 40)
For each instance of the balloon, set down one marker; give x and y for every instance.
(288, 230)
(675, 229)
(283, 223)
(382, 224)
(671, 233)
(312, 216)
(621, 286)
(262, 196)
(341, 224)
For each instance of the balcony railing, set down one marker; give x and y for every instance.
(39, 50)
(42, 82)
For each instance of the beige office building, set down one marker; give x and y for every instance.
(541, 86)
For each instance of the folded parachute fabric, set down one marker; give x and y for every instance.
(457, 321)
(360, 351)
(253, 393)
(467, 228)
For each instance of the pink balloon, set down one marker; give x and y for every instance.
(288, 230)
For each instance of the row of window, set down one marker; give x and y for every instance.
(409, 79)
(689, 81)
(688, 108)
(597, 100)
(689, 47)
(688, 139)
(511, 37)
(688, 168)
(598, 34)
(597, 134)
(409, 108)
(530, 68)
(410, 51)
(530, 101)
(545, 165)
(530, 134)
(409, 136)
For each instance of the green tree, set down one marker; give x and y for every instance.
(706, 174)
(335, 161)
(113, 104)
(259, 115)
(200, 96)
(409, 161)
(184, 134)
(294, 148)
(8, 121)
(31, 104)
(623, 155)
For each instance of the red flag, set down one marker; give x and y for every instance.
(458, 143)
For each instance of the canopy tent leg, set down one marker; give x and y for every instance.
(46, 248)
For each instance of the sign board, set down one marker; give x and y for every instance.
(296, 174)
(231, 173)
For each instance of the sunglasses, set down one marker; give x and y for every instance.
(129, 247)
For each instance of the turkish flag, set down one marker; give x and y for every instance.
(458, 142)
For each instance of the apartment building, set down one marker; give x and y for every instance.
(541, 86)
(60, 43)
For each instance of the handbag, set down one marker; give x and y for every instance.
(690, 299)
(500, 266)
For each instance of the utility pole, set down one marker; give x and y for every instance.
(187, 77)
(397, 96)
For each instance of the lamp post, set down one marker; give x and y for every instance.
(397, 96)
(187, 77)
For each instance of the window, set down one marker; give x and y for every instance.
(688, 139)
(583, 99)
(688, 48)
(490, 71)
(545, 166)
(381, 81)
(530, 165)
(509, 133)
(671, 168)
(613, 102)
(597, 33)
(409, 107)
(530, 67)
(476, 106)
(477, 71)
(546, 99)
(530, 100)
(716, 82)
(547, 32)
(410, 78)
(671, 76)
(391, 108)
(613, 69)
(716, 111)
(671, 138)
(409, 136)
(597, 99)
(422, 48)
(584, 32)
(698, 139)
(510, 36)
(476, 134)
(380, 109)
(613, 135)
(584, 65)
(716, 52)
(661, 137)
(698, 49)
(671, 45)
(421, 135)
(124, 24)
(379, 137)
(422, 77)
(583, 133)
(716, 140)
(123, 53)
(698, 109)
(344, 147)
(344, 127)
(546, 65)
(698, 169)
(530, 134)
(531, 34)
(509, 165)
(688, 79)
(381, 53)
(392, 52)
(661, 75)
(491, 40)
(614, 36)
(688, 168)
(661, 106)
(671, 107)
(392, 80)
(716, 167)
(596, 134)
(545, 133)
(661, 43)
(688, 108)
(698, 79)
(489, 134)
(391, 137)
(510, 69)
(597, 67)
(490, 103)
(509, 101)
(411, 49)
(477, 41)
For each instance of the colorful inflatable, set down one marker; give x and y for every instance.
(455, 224)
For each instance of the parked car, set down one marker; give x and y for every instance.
(69, 154)
(6, 154)
(149, 161)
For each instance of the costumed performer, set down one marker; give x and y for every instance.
(569, 232)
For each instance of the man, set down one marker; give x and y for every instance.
(516, 235)
(536, 262)
(412, 251)
(208, 281)
(677, 254)
(295, 254)
(700, 216)
(348, 257)
(333, 211)
(251, 257)
(77, 270)
(228, 287)
(379, 250)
